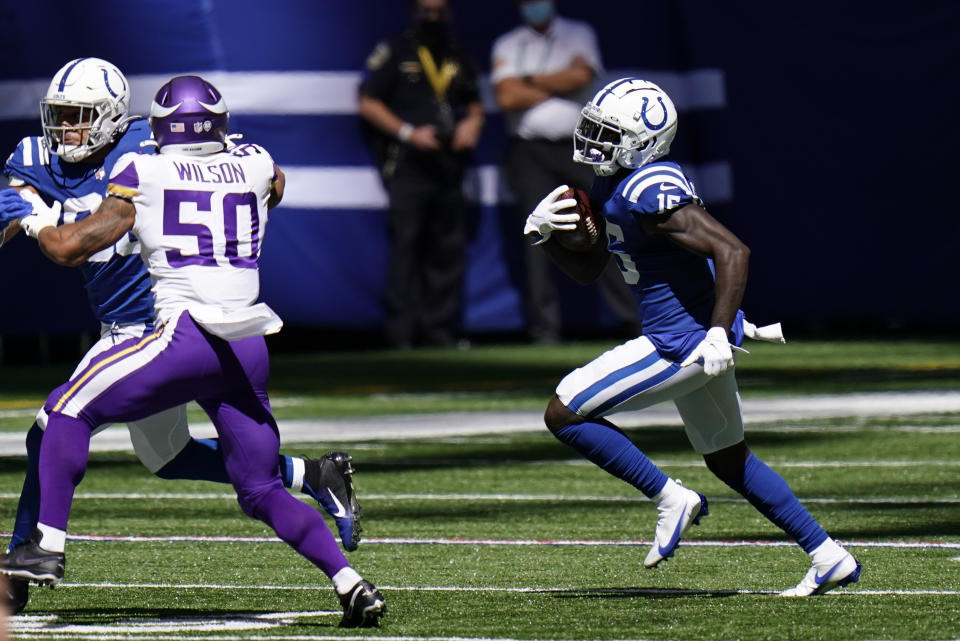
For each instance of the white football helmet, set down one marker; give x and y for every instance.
(629, 123)
(93, 98)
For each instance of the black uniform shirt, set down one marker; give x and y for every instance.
(395, 75)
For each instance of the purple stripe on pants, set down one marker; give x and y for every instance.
(81, 379)
(229, 381)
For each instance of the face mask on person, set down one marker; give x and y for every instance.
(432, 25)
(537, 13)
(432, 31)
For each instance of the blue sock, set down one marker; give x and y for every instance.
(769, 493)
(28, 508)
(286, 471)
(610, 449)
(200, 460)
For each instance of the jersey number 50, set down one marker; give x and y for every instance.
(207, 251)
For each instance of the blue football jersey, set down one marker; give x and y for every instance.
(116, 280)
(674, 287)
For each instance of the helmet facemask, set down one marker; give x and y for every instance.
(91, 125)
(597, 142)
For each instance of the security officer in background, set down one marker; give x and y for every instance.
(420, 100)
(542, 73)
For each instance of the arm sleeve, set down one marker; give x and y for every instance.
(379, 74)
(501, 65)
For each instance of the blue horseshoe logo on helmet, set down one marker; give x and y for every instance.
(106, 82)
(643, 114)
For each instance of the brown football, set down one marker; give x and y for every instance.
(587, 231)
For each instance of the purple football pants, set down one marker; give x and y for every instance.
(181, 362)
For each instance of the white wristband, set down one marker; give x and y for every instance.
(405, 131)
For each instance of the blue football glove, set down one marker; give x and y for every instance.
(12, 207)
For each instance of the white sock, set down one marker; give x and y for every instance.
(827, 553)
(53, 539)
(671, 493)
(296, 483)
(345, 579)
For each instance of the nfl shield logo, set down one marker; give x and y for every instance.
(197, 127)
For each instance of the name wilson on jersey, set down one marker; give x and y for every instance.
(225, 172)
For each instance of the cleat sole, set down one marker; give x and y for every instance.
(39, 579)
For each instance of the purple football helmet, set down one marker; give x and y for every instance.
(189, 116)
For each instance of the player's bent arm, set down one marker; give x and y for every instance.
(73, 243)
(276, 189)
(694, 229)
(583, 267)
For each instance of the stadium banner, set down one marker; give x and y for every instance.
(785, 141)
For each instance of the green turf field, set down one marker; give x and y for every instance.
(512, 536)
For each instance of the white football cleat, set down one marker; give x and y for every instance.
(673, 522)
(823, 578)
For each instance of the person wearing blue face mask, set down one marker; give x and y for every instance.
(542, 73)
(537, 13)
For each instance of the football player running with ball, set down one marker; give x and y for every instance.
(86, 129)
(199, 209)
(688, 273)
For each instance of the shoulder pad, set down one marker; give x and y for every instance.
(247, 149)
(31, 152)
(658, 188)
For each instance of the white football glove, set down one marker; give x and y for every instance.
(42, 216)
(769, 333)
(716, 351)
(544, 220)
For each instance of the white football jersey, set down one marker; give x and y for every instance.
(201, 221)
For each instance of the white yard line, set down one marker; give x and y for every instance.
(414, 426)
(110, 538)
(472, 588)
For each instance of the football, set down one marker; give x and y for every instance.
(586, 233)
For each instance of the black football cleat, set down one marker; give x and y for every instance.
(31, 562)
(18, 592)
(363, 606)
(329, 480)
